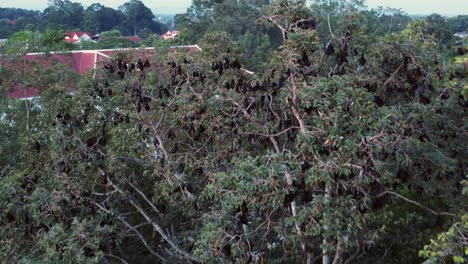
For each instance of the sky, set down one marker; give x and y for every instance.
(425, 7)
(416, 7)
(158, 6)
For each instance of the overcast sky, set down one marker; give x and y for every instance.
(158, 6)
(445, 7)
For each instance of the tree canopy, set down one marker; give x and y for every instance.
(346, 145)
(130, 18)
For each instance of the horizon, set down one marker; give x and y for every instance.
(161, 7)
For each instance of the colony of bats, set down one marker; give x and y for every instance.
(258, 95)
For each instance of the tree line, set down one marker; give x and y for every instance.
(130, 18)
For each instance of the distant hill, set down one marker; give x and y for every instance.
(416, 16)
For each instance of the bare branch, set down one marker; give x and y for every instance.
(355, 254)
(415, 203)
(275, 20)
(141, 237)
(393, 75)
(155, 225)
(147, 200)
(329, 25)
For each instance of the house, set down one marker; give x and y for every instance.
(171, 34)
(77, 36)
(80, 62)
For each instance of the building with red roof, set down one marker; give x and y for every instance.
(77, 36)
(171, 34)
(80, 61)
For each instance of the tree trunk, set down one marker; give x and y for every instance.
(326, 255)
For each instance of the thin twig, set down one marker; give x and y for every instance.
(393, 75)
(147, 200)
(415, 203)
(155, 225)
(141, 238)
(329, 25)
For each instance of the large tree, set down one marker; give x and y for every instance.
(234, 17)
(63, 14)
(136, 17)
(350, 149)
(99, 18)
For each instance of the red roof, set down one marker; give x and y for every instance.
(79, 34)
(78, 61)
(171, 34)
(71, 40)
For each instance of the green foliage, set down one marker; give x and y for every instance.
(115, 33)
(450, 245)
(63, 14)
(23, 42)
(116, 43)
(458, 23)
(257, 51)
(214, 45)
(53, 41)
(131, 18)
(137, 17)
(356, 154)
(27, 41)
(98, 18)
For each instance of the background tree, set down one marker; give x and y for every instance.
(52, 40)
(15, 19)
(115, 33)
(137, 17)
(257, 51)
(63, 14)
(70, 16)
(99, 18)
(115, 43)
(440, 28)
(393, 20)
(17, 13)
(459, 23)
(23, 42)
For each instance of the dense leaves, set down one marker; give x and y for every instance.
(349, 146)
